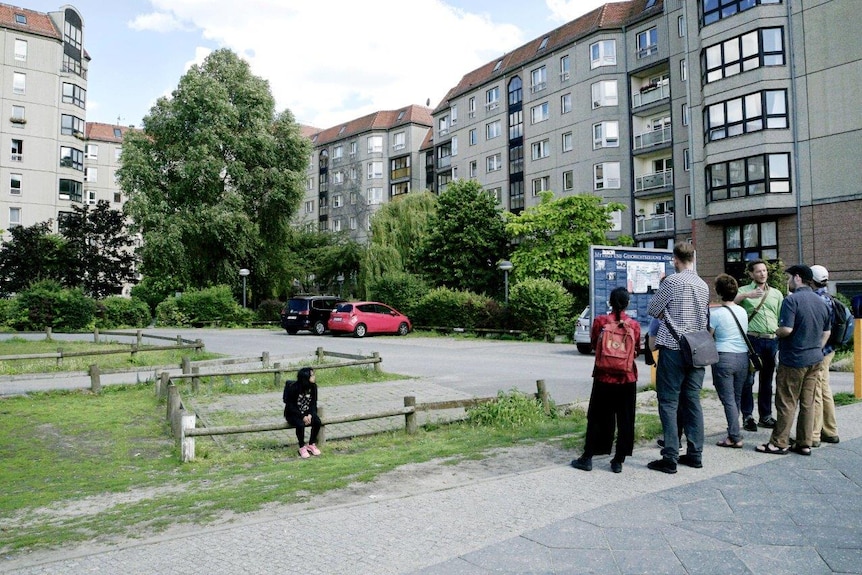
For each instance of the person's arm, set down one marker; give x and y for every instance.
(824, 338)
(595, 330)
(784, 331)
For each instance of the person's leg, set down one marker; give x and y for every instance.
(299, 427)
(788, 384)
(600, 420)
(625, 407)
(669, 377)
(724, 378)
(739, 379)
(693, 412)
(746, 403)
(768, 349)
(830, 424)
(316, 424)
(805, 421)
(817, 411)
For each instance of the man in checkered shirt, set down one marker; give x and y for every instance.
(682, 300)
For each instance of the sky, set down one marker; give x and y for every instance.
(327, 62)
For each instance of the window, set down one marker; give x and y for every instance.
(539, 78)
(354, 147)
(118, 197)
(565, 103)
(354, 197)
(91, 152)
(493, 163)
(516, 159)
(336, 225)
(17, 150)
(763, 47)
(568, 180)
(18, 115)
(680, 26)
(606, 176)
(352, 173)
(544, 43)
(375, 196)
(21, 19)
(683, 70)
(71, 125)
(471, 107)
(443, 125)
(755, 175)
(14, 217)
(118, 133)
(90, 197)
(492, 98)
(15, 184)
(453, 115)
(516, 124)
(603, 53)
(604, 93)
(72, 35)
(541, 184)
(516, 196)
(337, 201)
(73, 94)
(606, 135)
(338, 178)
(539, 113)
(309, 206)
(541, 149)
(454, 145)
(715, 10)
(472, 139)
(375, 144)
(749, 113)
(473, 169)
(749, 241)
(492, 129)
(91, 174)
(496, 194)
(686, 160)
(516, 91)
(71, 158)
(352, 223)
(647, 43)
(309, 184)
(71, 190)
(19, 83)
(375, 170)
(687, 202)
(399, 168)
(21, 50)
(337, 153)
(565, 68)
(685, 115)
(567, 143)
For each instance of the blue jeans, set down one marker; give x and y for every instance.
(729, 376)
(678, 391)
(766, 349)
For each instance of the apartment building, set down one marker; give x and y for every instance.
(357, 166)
(733, 123)
(44, 95)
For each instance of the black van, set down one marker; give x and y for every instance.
(310, 312)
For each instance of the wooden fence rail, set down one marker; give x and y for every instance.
(59, 355)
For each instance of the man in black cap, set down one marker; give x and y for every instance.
(803, 328)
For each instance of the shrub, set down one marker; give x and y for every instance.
(215, 304)
(445, 307)
(116, 311)
(48, 304)
(509, 410)
(541, 307)
(269, 310)
(168, 314)
(398, 289)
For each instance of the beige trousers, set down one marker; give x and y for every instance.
(824, 405)
(795, 386)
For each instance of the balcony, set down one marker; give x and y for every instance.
(651, 93)
(654, 224)
(444, 162)
(652, 138)
(656, 181)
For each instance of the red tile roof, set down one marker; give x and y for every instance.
(382, 120)
(37, 22)
(105, 132)
(609, 16)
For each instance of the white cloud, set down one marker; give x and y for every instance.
(335, 61)
(157, 22)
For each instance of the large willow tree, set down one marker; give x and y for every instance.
(213, 180)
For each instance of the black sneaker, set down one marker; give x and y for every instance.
(616, 466)
(768, 422)
(663, 465)
(583, 463)
(749, 424)
(829, 438)
(690, 461)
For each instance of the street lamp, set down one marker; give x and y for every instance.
(506, 266)
(340, 279)
(244, 273)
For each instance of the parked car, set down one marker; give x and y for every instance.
(308, 312)
(368, 317)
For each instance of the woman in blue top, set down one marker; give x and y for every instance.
(731, 371)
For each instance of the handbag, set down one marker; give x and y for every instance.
(754, 361)
(697, 347)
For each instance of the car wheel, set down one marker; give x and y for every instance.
(292, 331)
(403, 329)
(360, 330)
(319, 328)
(584, 348)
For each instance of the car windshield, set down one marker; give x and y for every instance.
(344, 307)
(296, 305)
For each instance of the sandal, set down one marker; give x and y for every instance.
(800, 449)
(726, 442)
(771, 449)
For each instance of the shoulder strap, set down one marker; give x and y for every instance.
(741, 332)
(755, 311)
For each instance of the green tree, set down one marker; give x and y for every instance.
(467, 238)
(31, 255)
(213, 180)
(553, 237)
(397, 230)
(97, 253)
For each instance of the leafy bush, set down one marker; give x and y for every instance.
(398, 289)
(509, 410)
(444, 307)
(215, 304)
(116, 311)
(541, 307)
(48, 304)
(153, 292)
(5, 308)
(168, 314)
(269, 310)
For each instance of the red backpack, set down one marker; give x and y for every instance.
(615, 351)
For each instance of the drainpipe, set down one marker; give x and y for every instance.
(688, 81)
(795, 127)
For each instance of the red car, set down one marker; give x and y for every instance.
(367, 317)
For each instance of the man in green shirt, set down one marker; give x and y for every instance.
(763, 305)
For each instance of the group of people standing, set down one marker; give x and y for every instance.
(753, 318)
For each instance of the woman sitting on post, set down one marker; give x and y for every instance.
(612, 401)
(300, 410)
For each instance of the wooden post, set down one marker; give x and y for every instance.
(48, 330)
(59, 356)
(186, 364)
(164, 381)
(276, 377)
(410, 418)
(95, 380)
(139, 336)
(376, 355)
(542, 394)
(264, 359)
(196, 381)
(173, 404)
(95, 335)
(134, 350)
(321, 437)
(187, 444)
(179, 339)
(199, 345)
(319, 354)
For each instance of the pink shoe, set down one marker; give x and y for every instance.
(303, 452)
(312, 448)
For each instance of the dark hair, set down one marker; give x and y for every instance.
(303, 377)
(619, 300)
(750, 265)
(726, 287)
(684, 251)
